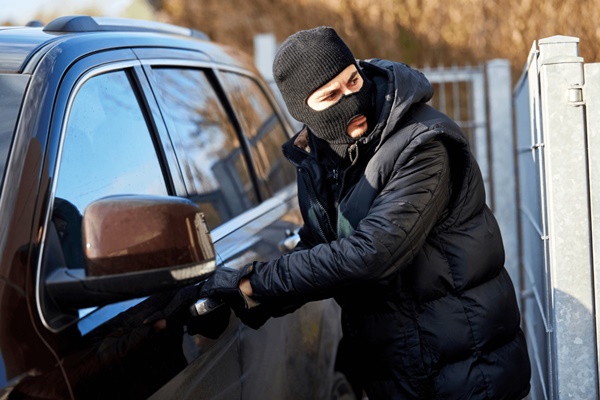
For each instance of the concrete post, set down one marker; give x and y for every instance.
(503, 171)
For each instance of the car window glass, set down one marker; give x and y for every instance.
(206, 142)
(108, 150)
(12, 88)
(263, 129)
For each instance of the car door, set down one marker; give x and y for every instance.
(111, 140)
(214, 159)
(221, 121)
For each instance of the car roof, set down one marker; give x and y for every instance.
(17, 44)
(22, 46)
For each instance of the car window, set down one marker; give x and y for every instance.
(214, 168)
(263, 129)
(108, 149)
(12, 88)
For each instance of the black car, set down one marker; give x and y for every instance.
(135, 158)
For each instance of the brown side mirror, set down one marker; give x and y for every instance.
(138, 233)
(135, 246)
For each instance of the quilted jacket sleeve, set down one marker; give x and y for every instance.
(411, 202)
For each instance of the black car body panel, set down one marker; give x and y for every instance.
(50, 350)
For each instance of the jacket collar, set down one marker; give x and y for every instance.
(297, 149)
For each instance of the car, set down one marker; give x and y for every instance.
(136, 157)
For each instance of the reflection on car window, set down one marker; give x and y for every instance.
(264, 130)
(107, 150)
(213, 163)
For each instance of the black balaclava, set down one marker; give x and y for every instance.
(306, 61)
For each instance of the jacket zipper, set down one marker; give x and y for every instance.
(341, 181)
(338, 188)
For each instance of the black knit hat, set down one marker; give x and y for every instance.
(306, 61)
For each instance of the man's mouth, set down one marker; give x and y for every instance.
(358, 120)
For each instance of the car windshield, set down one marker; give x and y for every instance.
(12, 88)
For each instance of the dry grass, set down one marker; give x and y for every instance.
(418, 32)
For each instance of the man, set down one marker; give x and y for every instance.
(396, 229)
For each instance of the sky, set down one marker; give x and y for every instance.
(19, 12)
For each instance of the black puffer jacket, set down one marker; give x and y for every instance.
(404, 241)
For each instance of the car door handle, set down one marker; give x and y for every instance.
(204, 306)
(292, 238)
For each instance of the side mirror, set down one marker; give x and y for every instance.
(124, 234)
(135, 246)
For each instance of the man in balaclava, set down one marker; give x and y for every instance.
(396, 229)
(323, 56)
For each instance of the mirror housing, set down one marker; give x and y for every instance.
(135, 246)
(132, 233)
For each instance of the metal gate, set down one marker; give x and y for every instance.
(557, 109)
(460, 93)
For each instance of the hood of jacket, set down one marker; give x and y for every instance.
(399, 87)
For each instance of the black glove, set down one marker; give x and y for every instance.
(224, 285)
(177, 313)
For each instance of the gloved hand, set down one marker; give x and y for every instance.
(224, 285)
(176, 313)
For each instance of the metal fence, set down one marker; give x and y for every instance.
(557, 127)
(460, 93)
